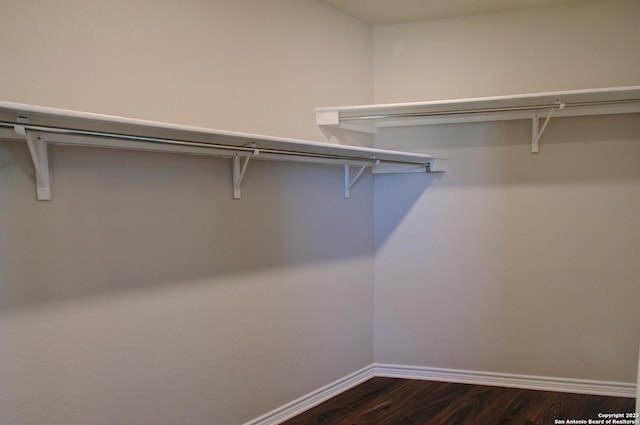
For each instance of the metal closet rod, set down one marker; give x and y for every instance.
(174, 142)
(556, 105)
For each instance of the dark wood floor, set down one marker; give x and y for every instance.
(388, 401)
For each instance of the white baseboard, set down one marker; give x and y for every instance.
(543, 383)
(314, 398)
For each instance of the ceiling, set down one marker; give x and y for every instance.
(383, 12)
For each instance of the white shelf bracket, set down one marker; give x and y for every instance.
(239, 169)
(40, 158)
(536, 131)
(348, 183)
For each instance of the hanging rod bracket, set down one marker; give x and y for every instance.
(39, 157)
(348, 182)
(536, 131)
(239, 170)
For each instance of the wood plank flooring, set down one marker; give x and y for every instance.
(389, 401)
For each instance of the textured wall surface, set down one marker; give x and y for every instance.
(512, 262)
(583, 45)
(142, 293)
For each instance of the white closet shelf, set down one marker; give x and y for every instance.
(369, 118)
(41, 126)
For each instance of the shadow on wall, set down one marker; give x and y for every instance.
(498, 154)
(572, 149)
(407, 190)
(122, 220)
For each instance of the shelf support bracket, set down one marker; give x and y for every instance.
(40, 159)
(239, 169)
(348, 183)
(536, 131)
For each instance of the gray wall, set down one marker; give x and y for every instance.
(512, 262)
(142, 293)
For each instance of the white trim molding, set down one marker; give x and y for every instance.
(314, 398)
(543, 383)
